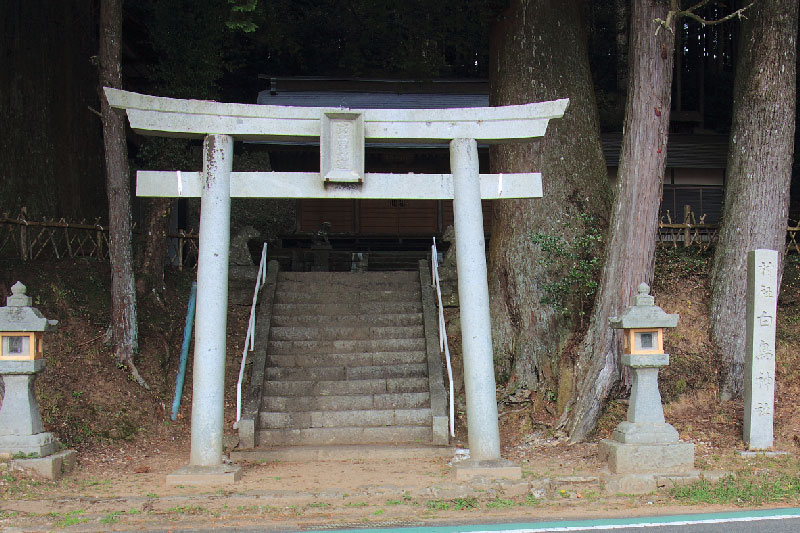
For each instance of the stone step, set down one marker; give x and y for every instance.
(331, 333)
(352, 418)
(334, 387)
(347, 285)
(345, 435)
(346, 308)
(354, 320)
(345, 346)
(334, 297)
(338, 373)
(344, 402)
(342, 452)
(349, 277)
(348, 359)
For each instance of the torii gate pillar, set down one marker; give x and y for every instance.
(476, 331)
(473, 297)
(208, 378)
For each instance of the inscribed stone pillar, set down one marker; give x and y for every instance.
(208, 381)
(759, 384)
(473, 294)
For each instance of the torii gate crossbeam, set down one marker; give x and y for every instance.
(342, 133)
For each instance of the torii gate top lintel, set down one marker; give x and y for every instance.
(155, 115)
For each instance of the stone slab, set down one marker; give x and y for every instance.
(646, 483)
(41, 444)
(492, 469)
(760, 453)
(52, 467)
(223, 474)
(645, 433)
(441, 435)
(630, 483)
(647, 458)
(653, 360)
(22, 367)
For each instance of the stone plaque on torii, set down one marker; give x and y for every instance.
(342, 134)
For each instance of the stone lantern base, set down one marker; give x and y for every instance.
(22, 436)
(664, 458)
(645, 448)
(38, 445)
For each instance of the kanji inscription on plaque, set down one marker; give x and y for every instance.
(759, 394)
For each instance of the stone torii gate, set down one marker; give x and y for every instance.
(342, 134)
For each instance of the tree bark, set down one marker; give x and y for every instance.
(634, 220)
(123, 294)
(622, 11)
(759, 173)
(153, 257)
(538, 51)
(51, 142)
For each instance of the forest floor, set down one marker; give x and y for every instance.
(126, 442)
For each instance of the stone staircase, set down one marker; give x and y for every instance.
(348, 362)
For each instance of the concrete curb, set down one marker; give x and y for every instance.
(435, 377)
(252, 400)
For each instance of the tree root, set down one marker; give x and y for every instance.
(135, 373)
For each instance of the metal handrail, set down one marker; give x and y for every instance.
(250, 338)
(443, 346)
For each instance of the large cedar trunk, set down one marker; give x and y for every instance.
(153, 257)
(123, 293)
(622, 11)
(51, 141)
(539, 52)
(634, 221)
(759, 172)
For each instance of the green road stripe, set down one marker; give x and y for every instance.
(734, 515)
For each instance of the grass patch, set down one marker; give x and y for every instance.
(70, 518)
(746, 488)
(499, 503)
(110, 518)
(438, 505)
(357, 504)
(463, 504)
(319, 505)
(531, 500)
(187, 509)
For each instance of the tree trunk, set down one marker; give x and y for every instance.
(123, 293)
(622, 9)
(634, 221)
(759, 173)
(51, 142)
(538, 51)
(154, 250)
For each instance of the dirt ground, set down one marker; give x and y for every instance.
(127, 443)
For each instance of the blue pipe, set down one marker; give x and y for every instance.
(187, 337)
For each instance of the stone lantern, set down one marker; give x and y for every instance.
(645, 443)
(21, 358)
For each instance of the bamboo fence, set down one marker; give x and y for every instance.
(30, 240)
(696, 232)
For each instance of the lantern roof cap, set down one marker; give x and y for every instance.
(18, 315)
(644, 313)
